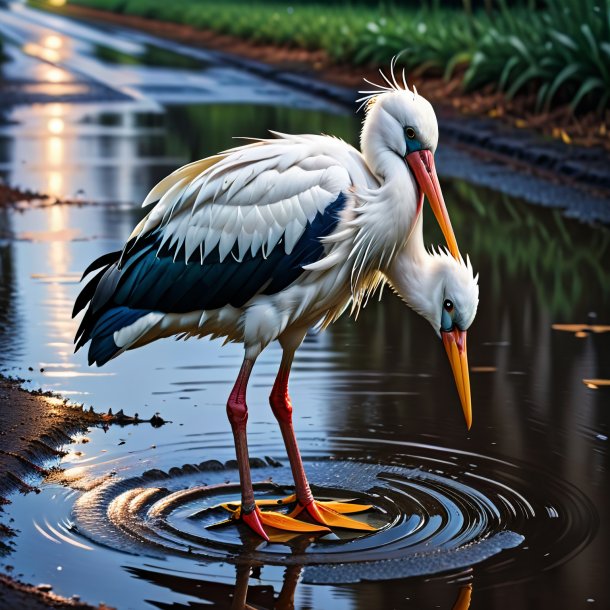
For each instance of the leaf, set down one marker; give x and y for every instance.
(567, 73)
(510, 64)
(587, 87)
(521, 48)
(456, 60)
(564, 40)
(521, 80)
(541, 96)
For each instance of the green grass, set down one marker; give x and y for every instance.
(563, 53)
(560, 53)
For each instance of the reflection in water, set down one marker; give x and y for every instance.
(243, 595)
(57, 292)
(564, 263)
(85, 151)
(116, 154)
(9, 314)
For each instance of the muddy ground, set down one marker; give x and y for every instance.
(33, 427)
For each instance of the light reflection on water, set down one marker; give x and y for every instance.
(381, 380)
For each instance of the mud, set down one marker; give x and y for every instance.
(15, 595)
(11, 196)
(33, 428)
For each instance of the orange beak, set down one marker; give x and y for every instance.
(421, 163)
(455, 345)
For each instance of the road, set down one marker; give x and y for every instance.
(67, 57)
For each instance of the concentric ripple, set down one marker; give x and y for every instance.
(436, 510)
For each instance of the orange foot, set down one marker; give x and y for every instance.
(332, 514)
(325, 515)
(257, 519)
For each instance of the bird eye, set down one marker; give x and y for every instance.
(410, 132)
(447, 316)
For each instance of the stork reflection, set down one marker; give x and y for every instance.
(246, 596)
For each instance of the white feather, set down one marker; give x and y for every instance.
(225, 245)
(244, 240)
(274, 233)
(257, 242)
(211, 240)
(293, 232)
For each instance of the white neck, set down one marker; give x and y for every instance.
(385, 213)
(416, 276)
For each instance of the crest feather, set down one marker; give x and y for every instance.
(389, 84)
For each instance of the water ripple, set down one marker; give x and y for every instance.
(436, 510)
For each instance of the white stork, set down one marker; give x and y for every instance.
(264, 241)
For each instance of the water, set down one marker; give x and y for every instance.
(510, 514)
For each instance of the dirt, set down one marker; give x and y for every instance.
(15, 198)
(33, 425)
(585, 130)
(11, 196)
(33, 428)
(16, 595)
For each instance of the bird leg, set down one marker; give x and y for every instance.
(249, 513)
(326, 513)
(237, 412)
(281, 406)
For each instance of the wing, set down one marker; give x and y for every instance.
(251, 196)
(224, 229)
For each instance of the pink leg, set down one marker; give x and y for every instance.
(329, 516)
(237, 412)
(282, 409)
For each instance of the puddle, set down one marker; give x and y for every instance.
(148, 55)
(502, 512)
(376, 414)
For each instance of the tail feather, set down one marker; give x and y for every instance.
(90, 293)
(103, 347)
(86, 294)
(103, 261)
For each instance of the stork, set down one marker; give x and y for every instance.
(269, 239)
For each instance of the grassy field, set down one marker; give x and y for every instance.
(560, 53)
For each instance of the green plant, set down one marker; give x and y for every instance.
(563, 52)
(560, 52)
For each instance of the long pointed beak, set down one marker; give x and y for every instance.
(421, 163)
(455, 345)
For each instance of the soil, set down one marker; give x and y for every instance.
(33, 425)
(10, 196)
(585, 130)
(33, 428)
(15, 595)
(16, 198)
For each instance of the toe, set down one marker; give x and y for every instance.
(283, 522)
(327, 516)
(254, 522)
(345, 508)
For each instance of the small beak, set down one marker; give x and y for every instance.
(455, 345)
(421, 163)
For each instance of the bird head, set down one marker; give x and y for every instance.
(401, 124)
(445, 291)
